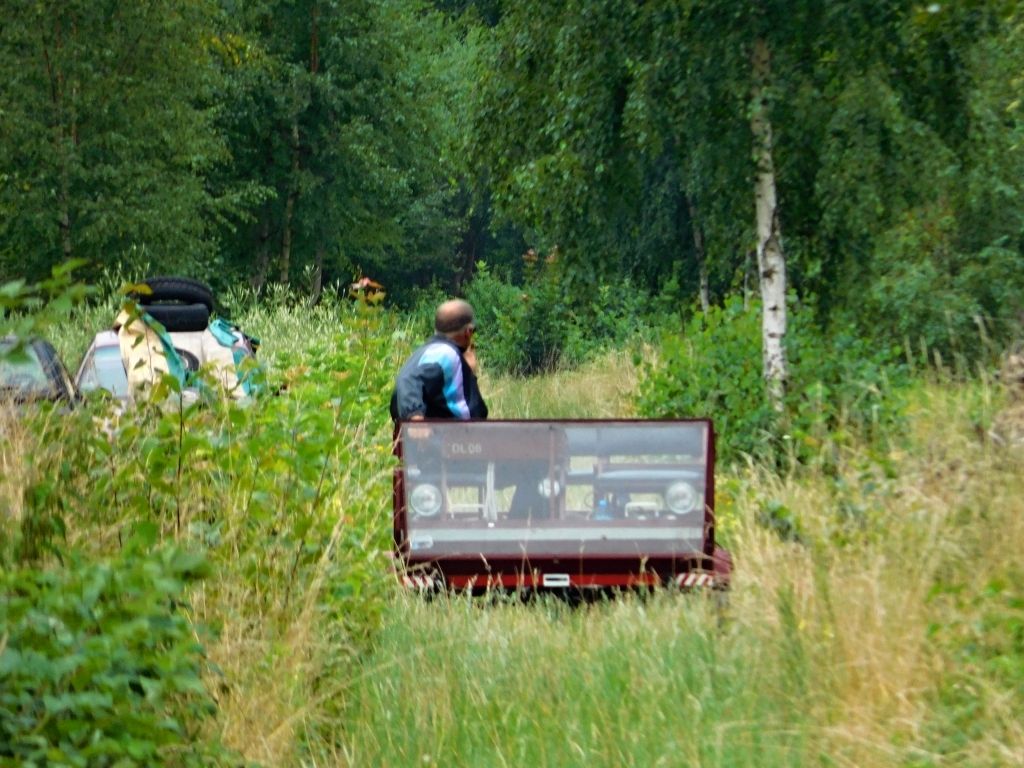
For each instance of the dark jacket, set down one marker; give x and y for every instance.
(437, 382)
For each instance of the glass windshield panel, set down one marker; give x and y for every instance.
(22, 372)
(105, 370)
(545, 488)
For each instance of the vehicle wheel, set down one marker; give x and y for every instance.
(181, 289)
(190, 361)
(180, 317)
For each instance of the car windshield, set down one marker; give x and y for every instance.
(22, 372)
(617, 488)
(105, 370)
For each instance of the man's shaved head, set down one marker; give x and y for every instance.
(452, 316)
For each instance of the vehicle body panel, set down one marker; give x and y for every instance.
(103, 366)
(33, 371)
(583, 503)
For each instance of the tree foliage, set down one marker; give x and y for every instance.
(335, 109)
(305, 142)
(894, 143)
(107, 134)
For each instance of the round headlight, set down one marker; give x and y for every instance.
(681, 498)
(548, 488)
(425, 500)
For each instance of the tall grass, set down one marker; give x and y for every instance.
(289, 500)
(881, 627)
(599, 389)
(887, 632)
(272, 649)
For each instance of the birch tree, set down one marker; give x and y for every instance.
(771, 259)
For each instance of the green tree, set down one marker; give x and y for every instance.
(583, 98)
(864, 152)
(337, 108)
(106, 134)
(548, 126)
(919, 178)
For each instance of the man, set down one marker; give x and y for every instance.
(438, 381)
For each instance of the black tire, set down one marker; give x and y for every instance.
(190, 361)
(181, 289)
(180, 317)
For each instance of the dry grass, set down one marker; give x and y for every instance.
(886, 634)
(843, 648)
(274, 650)
(16, 443)
(871, 608)
(263, 690)
(600, 389)
(18, 449)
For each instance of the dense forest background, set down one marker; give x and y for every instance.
(307, 143)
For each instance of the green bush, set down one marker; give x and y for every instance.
(99, 665)
(837, 384)
(519, 332)
(541, 326)
(713, 369)
(841, 385)
(611, 315)
(934, 295)
(284, 496)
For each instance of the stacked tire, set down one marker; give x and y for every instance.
(180, 304)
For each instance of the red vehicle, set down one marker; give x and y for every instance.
(557, 504)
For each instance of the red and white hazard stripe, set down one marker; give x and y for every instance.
(416, 581)
(695, 579)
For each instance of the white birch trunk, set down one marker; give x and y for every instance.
(771, 260)
(698, 248)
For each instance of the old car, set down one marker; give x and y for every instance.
(169, 330)
(541, 504)
(32, 371)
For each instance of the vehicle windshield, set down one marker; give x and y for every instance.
(22, 372)
(555, 488)
(105, 370)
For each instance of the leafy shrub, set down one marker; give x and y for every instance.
(99, 665)
(714, 369)
(537, 327)
(257, 486)
(284, 496)
(610, 315)
(932, 294)
(515, 332)
(424, 301)
(28, 309)
(840, 385)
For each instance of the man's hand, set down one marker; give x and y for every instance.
(469, 355)
(417, 433)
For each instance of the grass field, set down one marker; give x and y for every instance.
(887, 632)
(876, 616)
